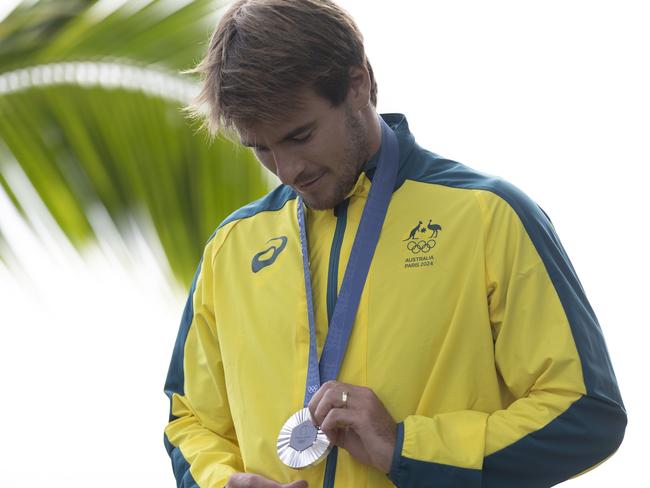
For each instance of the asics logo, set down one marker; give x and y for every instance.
(268, 256)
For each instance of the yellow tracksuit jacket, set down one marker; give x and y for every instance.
(472, 329)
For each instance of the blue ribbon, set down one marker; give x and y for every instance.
(363, 249)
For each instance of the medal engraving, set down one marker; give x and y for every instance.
(303, 436)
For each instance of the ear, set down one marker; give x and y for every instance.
(359, 90)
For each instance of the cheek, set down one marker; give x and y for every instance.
(327, 156)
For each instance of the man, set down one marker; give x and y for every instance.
(474, 358)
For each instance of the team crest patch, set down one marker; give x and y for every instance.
(420, 243)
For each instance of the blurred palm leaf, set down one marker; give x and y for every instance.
(89, 109)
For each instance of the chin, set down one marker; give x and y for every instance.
(318, 204)
(323, 202)
(328, 197)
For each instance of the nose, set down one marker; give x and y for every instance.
(288, 166)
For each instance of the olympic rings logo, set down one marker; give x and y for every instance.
(417, 247)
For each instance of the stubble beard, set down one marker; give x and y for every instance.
(355, 155)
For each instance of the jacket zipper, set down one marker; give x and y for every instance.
(335, 255)
(332, 293)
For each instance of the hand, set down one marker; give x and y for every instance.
(363, 426)
(248, 480)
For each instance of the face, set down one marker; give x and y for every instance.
(318, 149)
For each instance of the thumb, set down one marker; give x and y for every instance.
(297, 484)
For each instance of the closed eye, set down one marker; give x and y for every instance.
(301, 139)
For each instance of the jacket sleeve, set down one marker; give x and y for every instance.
(200, 437)
(565, 414)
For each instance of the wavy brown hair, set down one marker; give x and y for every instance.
(264, 52)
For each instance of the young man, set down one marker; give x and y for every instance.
(473, 357)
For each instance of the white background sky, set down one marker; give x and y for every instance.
(551, 95)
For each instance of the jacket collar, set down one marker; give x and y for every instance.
(406, 141)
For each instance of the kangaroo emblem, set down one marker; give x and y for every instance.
(434, 228)
(414, 231)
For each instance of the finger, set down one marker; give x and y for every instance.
(333, 398)
(297, 484)
(249, 480)
(316, 399)
(338, 419)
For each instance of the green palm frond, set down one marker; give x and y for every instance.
(172, 33)
(89, 109)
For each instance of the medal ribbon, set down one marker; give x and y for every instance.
(363, 249)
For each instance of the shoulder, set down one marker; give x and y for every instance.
(258, 210)
(492, 193)
(271, 202)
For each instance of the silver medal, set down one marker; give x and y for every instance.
(301, 443)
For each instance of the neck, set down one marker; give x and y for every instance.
(374, 132)
(373, 135)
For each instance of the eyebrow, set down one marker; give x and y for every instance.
(290, 135)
